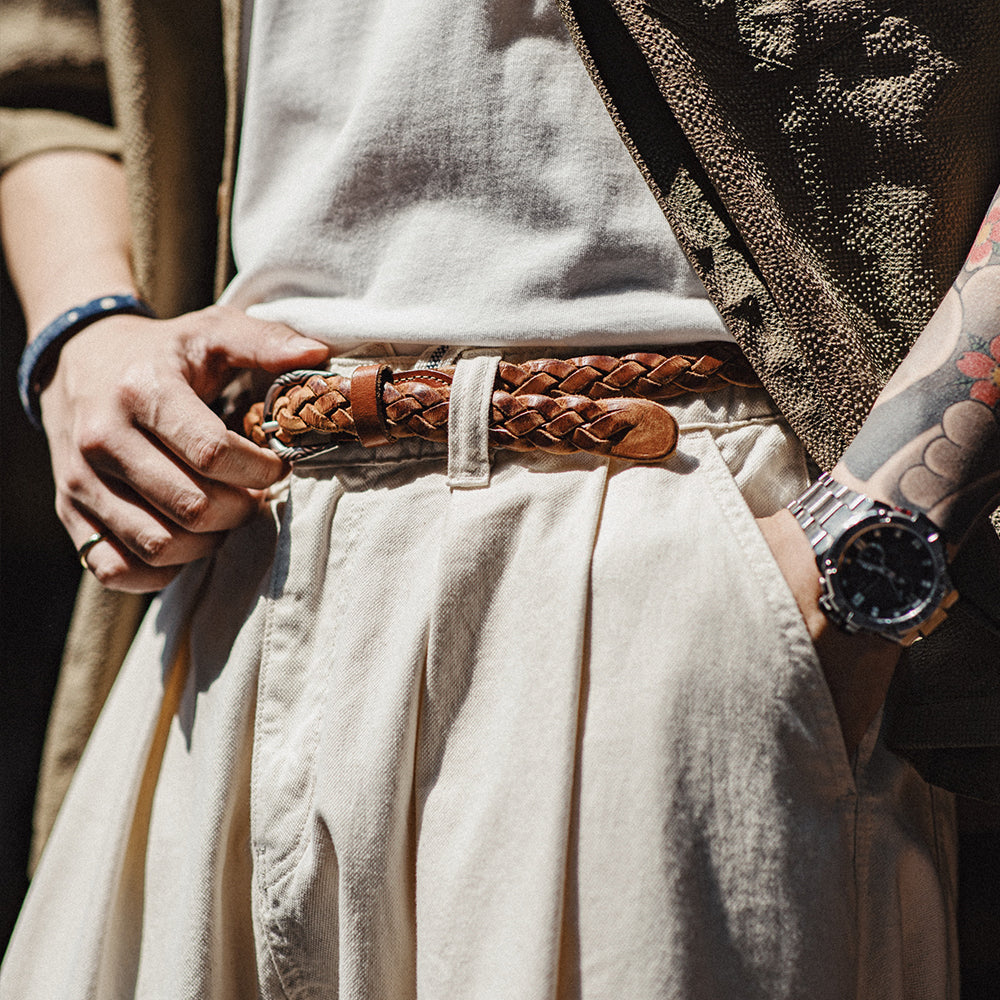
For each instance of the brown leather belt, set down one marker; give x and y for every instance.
(596, 403)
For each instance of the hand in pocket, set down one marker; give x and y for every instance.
(858, 668)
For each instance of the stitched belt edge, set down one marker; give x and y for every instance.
(604, 404)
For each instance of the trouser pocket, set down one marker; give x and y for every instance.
(765, 469)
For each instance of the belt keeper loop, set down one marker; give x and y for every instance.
(469, 422)
(367, 382)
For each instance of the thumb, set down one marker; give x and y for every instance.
(254, 343)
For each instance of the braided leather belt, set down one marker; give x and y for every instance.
(596, 403)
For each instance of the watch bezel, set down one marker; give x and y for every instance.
(834, 600)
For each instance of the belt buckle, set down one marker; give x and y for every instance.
(269, 426)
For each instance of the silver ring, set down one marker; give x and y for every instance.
(81, 552)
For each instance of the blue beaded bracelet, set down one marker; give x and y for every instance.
(39, 358)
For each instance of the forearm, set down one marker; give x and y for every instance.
(932, 440)
(66, 236)
(147, 477)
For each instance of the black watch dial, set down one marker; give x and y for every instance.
(885, 574)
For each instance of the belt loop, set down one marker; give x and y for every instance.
(367, 384)
(469, 421)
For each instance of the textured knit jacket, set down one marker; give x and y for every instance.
(824, 164)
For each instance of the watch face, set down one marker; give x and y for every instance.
(886, 573)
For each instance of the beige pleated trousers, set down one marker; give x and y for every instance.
(461, 729)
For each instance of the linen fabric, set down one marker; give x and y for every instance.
(560, 735)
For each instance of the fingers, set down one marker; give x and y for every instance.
(171, 404)
(178, 419)
(274, 347)
(113, 565)
(220, 339)
(142, 550)
(115, 569)
(176, 519)
(167, 485)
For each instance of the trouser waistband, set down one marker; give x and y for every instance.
(604, 404)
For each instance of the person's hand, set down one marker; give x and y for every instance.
(136, 451)
(858, 668)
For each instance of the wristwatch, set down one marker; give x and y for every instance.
(882, 570)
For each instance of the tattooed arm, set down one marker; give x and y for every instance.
(932, 441)
(932, 444)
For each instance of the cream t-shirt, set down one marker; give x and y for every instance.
(445, 173)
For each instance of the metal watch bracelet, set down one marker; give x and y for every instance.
(825, 508)
(824, 512)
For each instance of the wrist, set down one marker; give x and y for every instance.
(883, 570)
(42, 353)
(99, 278)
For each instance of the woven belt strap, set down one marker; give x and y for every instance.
(596, 403)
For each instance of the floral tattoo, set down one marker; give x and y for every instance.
(984, 369)
(932, 441)
(984, 249)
